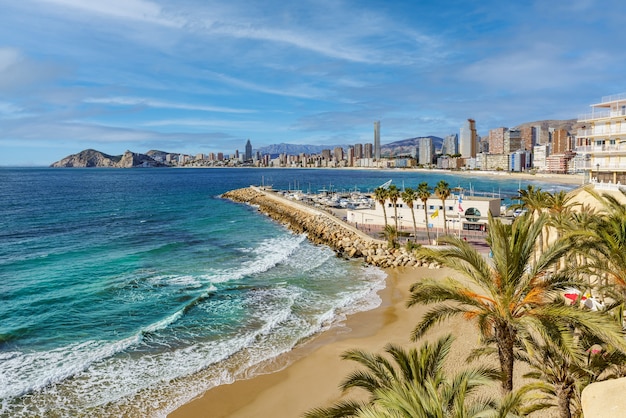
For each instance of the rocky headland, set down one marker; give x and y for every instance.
(323, 228)
(93, 158)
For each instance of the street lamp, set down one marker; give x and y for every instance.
(597, 171)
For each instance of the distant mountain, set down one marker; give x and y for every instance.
(93, 158)
(296, 149)
(402, 147)
(407, 147)
(571, 125)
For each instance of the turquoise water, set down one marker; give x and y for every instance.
(129, 292)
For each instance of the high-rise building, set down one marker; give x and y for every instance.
(248, 154)
(512, 141)
(426, 151)
(450, 145)
(368, 151)
(376, 140)
(542, 136)
(529, 137)
(358, 151)
(560, 141)
(496, 140)
(338, 154)
(467, 139)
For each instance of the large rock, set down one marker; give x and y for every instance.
(605, 399)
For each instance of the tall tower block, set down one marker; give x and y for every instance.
(467, 139)
(377, 140)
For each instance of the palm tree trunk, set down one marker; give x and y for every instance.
(395, 215)
(564, 395)
(505, 337)
(384, 215)
(414, 223)
(426, 222)
(445, 224)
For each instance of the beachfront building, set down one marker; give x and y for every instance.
(601, 140)
(467, 213)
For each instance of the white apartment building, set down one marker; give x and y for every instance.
(601, 141)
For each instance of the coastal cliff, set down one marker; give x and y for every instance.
(322, 228)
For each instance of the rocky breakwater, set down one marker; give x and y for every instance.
(323, 228)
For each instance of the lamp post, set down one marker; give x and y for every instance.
(597, 172)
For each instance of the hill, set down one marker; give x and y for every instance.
(570, 125)
(407, 147)
(93, 158)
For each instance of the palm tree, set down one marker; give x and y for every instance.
(562, 369)
(509, 297)
(409, 196)
(568, 368)
(393, 194)
(390, 232)
(443, 192)
(533, 200)
(380, 194)
(423, 194)
(411, 383)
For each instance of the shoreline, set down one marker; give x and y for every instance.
(314, 370)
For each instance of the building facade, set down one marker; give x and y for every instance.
(248, 153)
(601, 141)
(426, 151)
(467, 139)
(450, 145)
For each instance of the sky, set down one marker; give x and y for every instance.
(202, 76)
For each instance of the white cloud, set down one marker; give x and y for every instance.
(139, 10)
(138, 101)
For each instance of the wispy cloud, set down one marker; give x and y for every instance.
(138, 101)
(138, 10)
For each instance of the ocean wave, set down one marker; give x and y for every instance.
(266, 255)
(149, 372)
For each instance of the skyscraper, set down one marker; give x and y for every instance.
(377, 140)
(248, 153)
(426, 151)
(467, 139)
(450, 145)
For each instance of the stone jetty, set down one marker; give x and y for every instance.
(324, 228)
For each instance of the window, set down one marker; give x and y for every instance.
(472, 212)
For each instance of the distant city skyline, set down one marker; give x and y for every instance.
(205, 76)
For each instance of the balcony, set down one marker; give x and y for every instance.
(605, 114)
(614, 97)
(601, 131)
(594, 149)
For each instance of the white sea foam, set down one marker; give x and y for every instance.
(268, 254)
(155, 381)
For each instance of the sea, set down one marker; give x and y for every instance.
(129, 292)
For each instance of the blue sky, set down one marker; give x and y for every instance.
(200, 76)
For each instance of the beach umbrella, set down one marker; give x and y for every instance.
(571, 294)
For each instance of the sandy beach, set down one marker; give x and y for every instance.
(316, 370)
